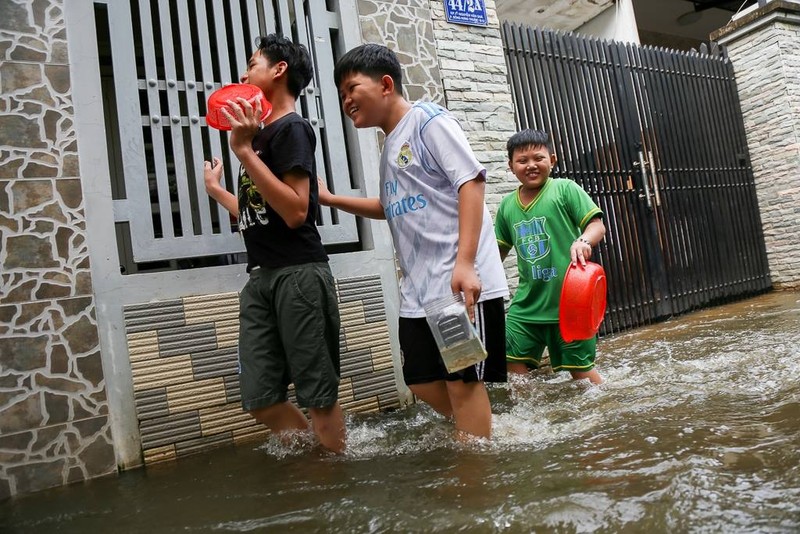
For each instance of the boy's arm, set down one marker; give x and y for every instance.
(581, 248)
(212, 176)
(502, 240)
(289, 198)
(363, 207)
(470, 220)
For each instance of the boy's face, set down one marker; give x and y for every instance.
(260, 72)
(532, 165)
(362, 99)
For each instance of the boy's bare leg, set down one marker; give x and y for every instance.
(281, 417)
(593, 376)
(328, 425)
(435, 394)
(517, 372)
(517, 368)
(471, 408)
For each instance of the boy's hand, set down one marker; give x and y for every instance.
(212, 174)
(245, 122)
(580, 252)
(465, 280)
(325, 196)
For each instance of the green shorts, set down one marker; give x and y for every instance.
(525, 343)
(289, 333)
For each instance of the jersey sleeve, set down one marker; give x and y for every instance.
(294, 149)
(501, 230)
(580, 205)
(448, 147)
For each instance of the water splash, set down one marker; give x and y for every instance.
(695, 429)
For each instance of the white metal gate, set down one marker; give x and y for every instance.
(161, 61)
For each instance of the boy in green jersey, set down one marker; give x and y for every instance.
(549, 223)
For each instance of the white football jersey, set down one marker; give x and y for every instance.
(425, 160)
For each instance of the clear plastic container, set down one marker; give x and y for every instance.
(455, 335)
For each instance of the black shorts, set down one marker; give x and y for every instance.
(422, 362)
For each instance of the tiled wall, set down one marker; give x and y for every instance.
(184, 363)
(54, 426)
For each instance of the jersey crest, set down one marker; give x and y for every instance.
(404, 157)
(531, 239)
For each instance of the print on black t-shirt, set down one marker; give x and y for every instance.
(252, 208)
(286, 145)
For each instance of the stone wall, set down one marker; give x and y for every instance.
(54, 426)
(475, 78)
(405, 26)
(765, 50)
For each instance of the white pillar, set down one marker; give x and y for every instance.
(625, 29)
(617, 23)
(764, 47)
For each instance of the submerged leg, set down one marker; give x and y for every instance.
(471, 408)
(593, 376)
(328, 425)
(281, 417)
(517, 368)
(435, 394)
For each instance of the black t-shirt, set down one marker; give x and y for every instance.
(284, 145)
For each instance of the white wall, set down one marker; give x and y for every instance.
(618, 23)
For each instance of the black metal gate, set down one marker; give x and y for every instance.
(656, 137)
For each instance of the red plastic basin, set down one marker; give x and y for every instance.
(219, 99)
(583, 301)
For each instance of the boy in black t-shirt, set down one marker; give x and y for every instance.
(289, 316)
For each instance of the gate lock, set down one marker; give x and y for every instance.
(644, 166)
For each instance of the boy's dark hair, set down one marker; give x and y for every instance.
(372, 60)
(300, 68)
(527, 138)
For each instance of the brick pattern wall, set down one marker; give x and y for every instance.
(184, 363)
(767, 65)
(54, 426)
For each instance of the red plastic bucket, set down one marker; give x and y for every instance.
(219, 99)
(583, 301)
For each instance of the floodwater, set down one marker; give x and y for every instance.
(697, 429)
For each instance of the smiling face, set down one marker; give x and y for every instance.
(363, 97)
(532, 165)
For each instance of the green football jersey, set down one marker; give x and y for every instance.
(542, 233)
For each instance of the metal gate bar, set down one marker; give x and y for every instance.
(677, 249)
(755, 268)
(615, 201)
(656, 138)
(629, 143)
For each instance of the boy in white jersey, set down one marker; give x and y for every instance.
(549, 223)
(432, 190)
